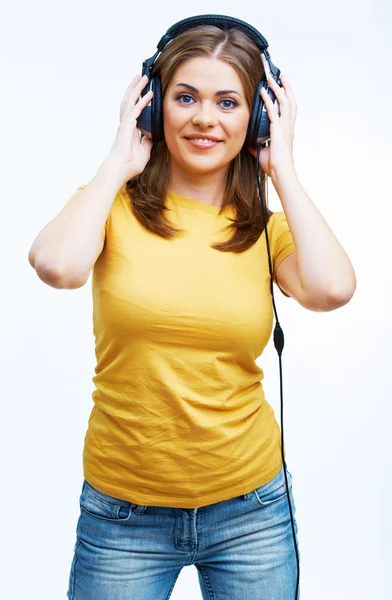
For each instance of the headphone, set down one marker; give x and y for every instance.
(150, 123)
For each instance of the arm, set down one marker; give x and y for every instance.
(319, 275)
(66, 250)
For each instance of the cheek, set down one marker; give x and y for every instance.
(245, 121)
(167, 119)
(172, 124)
(239, 130)
(238, 126)
(172, 115)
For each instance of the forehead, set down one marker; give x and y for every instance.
(207, 73)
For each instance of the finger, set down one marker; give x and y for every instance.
(278, 91)
(270, 106)
(135, 98)
(133, 93)
(286, 83)
(135, 111)
(129, 90)
(137, 91)
(142, 103)
(290, 95)
(147, 143)
(288, 89)
(282, 98)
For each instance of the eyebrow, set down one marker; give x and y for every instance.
(220, 93)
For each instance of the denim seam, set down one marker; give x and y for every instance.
(204, 572)
(72, 589)
(172, 586)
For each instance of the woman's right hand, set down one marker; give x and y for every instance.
(130, 152)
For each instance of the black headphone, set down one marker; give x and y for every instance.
(150, 121)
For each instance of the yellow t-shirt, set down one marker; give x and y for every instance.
(179, 416)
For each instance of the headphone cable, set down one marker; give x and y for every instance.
(279, 344)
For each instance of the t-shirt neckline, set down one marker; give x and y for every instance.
(193, 204)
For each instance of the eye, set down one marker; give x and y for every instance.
(181, 96)
(187, 98)
(233, 103)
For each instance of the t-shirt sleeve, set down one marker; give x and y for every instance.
(282, 243)
(79, 189)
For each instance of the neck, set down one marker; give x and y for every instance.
(207, 187)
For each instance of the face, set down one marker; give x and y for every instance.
(204, 99)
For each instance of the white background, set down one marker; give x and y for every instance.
(64, 70)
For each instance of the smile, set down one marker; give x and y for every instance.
(202, 143)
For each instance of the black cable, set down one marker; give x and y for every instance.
(279, 344)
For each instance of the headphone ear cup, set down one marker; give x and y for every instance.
(259, 122)
(251, 138)
(157, 110)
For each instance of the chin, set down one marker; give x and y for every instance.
(204, 165)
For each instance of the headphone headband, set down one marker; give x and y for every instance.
(221, 21)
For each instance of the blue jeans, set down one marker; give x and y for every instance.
(242, 547)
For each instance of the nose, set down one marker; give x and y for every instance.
(205, 116)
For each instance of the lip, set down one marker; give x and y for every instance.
(202, 145)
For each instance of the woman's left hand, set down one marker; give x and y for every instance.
(277, 157)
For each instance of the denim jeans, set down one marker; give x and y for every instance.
(243, 547)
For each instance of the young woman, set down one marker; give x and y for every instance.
(182, 457)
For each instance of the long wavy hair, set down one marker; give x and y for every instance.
(148, 190)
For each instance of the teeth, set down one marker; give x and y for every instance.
(202, 141)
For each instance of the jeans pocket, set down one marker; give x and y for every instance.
(274, 490)
(104, 507)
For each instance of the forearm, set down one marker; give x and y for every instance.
(324, 266)
(67, 245)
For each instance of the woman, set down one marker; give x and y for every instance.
(182, 458)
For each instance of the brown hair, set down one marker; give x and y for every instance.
(147, 191)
